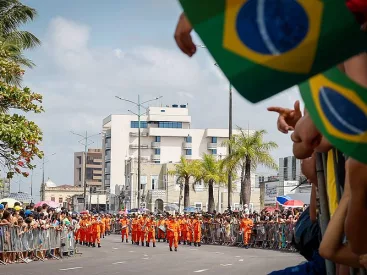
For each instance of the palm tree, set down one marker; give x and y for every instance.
(211, 172)
(13, 14)
(249, 151)
(185, 170)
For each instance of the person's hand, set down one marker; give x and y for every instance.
(183, 36)
(287, 117)
(363, 260)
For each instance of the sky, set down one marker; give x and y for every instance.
(93, 50)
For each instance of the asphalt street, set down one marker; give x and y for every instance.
(124, 258)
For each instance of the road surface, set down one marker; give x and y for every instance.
(121, 258)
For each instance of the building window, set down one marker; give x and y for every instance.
(157, 139)
(214, 139)
(188, 139)
(157, 151)
(198, 206)
(143, 182)
(169, 124)
(188, 152)
(163, 111)
(52, 198)
(79, 174)
(90, 173)
(154, 180)
(60, 200)
(237, 206)
(79, 160)
(214, 151)
(157, 161)
(135, 124)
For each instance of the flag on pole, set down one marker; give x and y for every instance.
(267, 46)
(338, 107)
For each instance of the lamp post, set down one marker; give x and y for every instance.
(86, 142)
(139, 114)
(43, 173)
(229, 136)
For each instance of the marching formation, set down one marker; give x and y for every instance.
(146, 229)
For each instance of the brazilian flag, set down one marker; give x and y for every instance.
(267, 46)
(338, 107)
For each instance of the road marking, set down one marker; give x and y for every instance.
(115, 248)
(71, 268)
(238, 256)
(131, 251)
(119, 263)
(145, 255)
(145, 258)
(201, 270)
(193, 249)
(225, 264)
(218, 252)
(240, 260)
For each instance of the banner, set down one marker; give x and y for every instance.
(271, 192)
(338, 107)
(264, 47)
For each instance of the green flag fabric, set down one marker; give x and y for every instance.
(338, 107)
(267, 46)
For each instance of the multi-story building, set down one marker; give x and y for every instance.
(4, 188)
(88, 167)
(289, 171)
(166, 136)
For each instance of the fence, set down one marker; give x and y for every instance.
(267, 235)
(19, 245)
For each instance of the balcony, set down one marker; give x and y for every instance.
(157, 194)
(108, 145)
(186, 145)
(156, 157)
(212, 146)
(135, 146)
(136, 134)
(156, 145)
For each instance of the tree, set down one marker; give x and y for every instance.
(211, 172)
(185, 170)
(19, 137)
(13, 14)
(249, 151)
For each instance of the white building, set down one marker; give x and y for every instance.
(166, 135)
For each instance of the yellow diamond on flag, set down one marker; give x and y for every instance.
(281, 35)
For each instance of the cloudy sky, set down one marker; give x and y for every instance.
(93, 50)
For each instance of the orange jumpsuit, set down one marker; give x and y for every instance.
(197, 231)
(183, 227)
(246, 228)
(161, 234)
(96, 232)
(124, 229)
(108, 225)
(142, 230)
(190, 231)
(173, 228)
(150, 230)
(134, 229)
(103, 227)
(89, 231)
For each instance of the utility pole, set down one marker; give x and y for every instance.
(43, 174)
(229, 147)
(86, 142)
(139, 114)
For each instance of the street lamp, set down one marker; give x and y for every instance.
(139, 114)
(84, 141)
(229, 135)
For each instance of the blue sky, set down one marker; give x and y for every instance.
(93, 50)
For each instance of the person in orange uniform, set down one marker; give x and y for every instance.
(89, 230)
(173, 228)
(96, 231)
(81, 236)
(197, 231)
(142, 229)
(246, 228)
(183, 228)
(150, 231)
(108, 224)
(124, 228)
(134, 230)
(161, 224)
(190, 230)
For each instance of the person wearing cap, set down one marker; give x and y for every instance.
(190, 230)
(173, 228)
(96, 231)
(246, 228)
(197, 230)
(1, 210)
(183, 229)
(103, 227)
(134, 229)
(124, 228)
(142, 227)
(150, 229)
(161, 225)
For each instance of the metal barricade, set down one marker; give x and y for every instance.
(25, 244)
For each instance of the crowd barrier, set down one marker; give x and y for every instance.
(18, 245)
